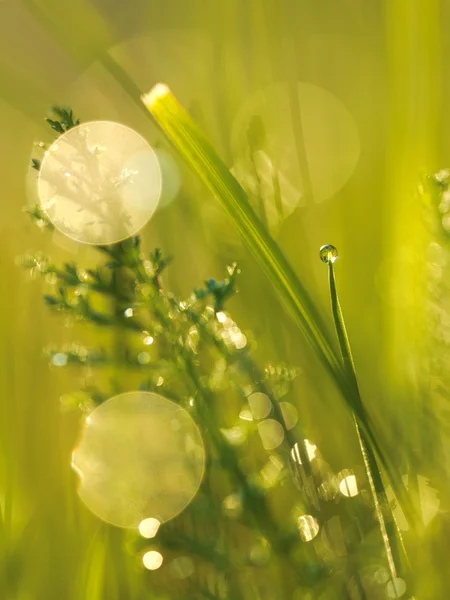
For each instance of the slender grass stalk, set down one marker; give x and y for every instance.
(392, 539)
(202, 158)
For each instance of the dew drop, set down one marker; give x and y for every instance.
(328, 254)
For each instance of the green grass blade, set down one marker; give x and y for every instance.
(201, 157)
(391, 537)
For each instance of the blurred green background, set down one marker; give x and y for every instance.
(350, 98)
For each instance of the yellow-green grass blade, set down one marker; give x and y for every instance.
(201, 157)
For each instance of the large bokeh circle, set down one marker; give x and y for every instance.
(140, 456)
(100, 182)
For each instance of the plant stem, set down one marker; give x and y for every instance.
(390, 535)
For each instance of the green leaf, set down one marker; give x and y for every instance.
(56, 125)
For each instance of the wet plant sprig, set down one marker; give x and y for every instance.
(175, 347)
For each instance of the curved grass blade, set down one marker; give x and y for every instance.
(391, 536)
(201, 157)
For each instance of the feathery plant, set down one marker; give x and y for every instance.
(229, 543)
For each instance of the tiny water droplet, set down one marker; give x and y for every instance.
(328, 254)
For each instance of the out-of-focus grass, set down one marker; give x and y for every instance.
(384, 64)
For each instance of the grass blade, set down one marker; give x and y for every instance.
(391, 537)
(201, 157)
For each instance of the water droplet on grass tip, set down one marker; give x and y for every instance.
(328, 254)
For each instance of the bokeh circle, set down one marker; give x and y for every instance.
(100, 182)
(140, 456)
